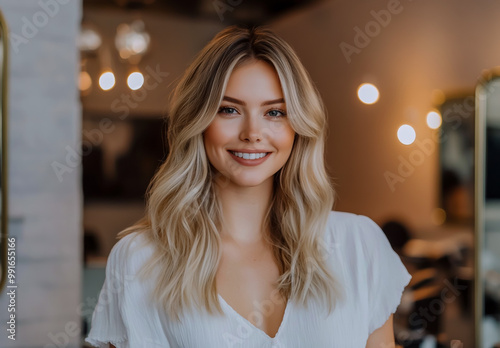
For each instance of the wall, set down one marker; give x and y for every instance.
(423, 46)
(45, 208)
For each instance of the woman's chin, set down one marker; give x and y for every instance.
(244, 182)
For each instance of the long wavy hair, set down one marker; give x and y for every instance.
(183, 215)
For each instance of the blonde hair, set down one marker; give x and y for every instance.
(183, 214)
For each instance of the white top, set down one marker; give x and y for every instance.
(358, 253)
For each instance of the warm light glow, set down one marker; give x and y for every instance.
(107, 80)
(132, 40)
(433, 119)
(438, 97)
(406, 134)
(85, 81)
(368, 93)
(89, 39)
(438, 216)
(135, 80)
(138, 43)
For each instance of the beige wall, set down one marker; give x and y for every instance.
(427, 45)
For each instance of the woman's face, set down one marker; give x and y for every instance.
(251, 122)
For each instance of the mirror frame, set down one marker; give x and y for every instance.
(4, 150)
(479, 206)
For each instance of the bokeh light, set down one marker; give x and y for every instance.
(368, 93)
(434, 119)
(135, 80)
(406, 134)
(107, 80)
(84, 81)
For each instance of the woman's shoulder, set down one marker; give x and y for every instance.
(341, 222)
(371, 267)
(131, 244)
(354, 231)
(130, 252)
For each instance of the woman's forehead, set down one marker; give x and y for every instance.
(255, 81)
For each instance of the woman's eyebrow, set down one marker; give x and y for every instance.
(240, 102)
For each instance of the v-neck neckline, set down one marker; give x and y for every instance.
(246, 321)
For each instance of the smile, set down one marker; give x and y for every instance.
(249, 159)
(250, 156)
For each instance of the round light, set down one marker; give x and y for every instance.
(107, 81)
(89, 39)
(138, 43)
(132, 40)
(433, 119)
(406, 134)
(85, 81)
(368, 93)
(438, 216)
(135, 80)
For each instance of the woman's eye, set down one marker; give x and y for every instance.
(276, 113)
(227, 110)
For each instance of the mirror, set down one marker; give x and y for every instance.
(487, 209)
(3, 150)
(455, 212)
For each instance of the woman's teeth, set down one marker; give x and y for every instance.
(249, 155)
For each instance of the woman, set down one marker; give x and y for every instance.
(239, 246)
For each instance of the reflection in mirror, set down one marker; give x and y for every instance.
(3, 149)
(488, 213)
(454, 252)
(457, 160)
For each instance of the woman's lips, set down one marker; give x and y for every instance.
(249, 162)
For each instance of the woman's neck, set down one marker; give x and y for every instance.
(243, 210)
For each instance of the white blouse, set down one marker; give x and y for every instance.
(359, 254)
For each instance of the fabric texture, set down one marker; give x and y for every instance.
(358, 253)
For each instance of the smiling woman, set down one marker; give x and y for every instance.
(250, 138)
(239, 245)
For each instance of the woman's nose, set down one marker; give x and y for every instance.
(252, 129)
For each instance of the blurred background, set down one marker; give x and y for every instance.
(88, 88)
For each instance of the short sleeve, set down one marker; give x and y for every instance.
(107, 320)
(387, 277)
